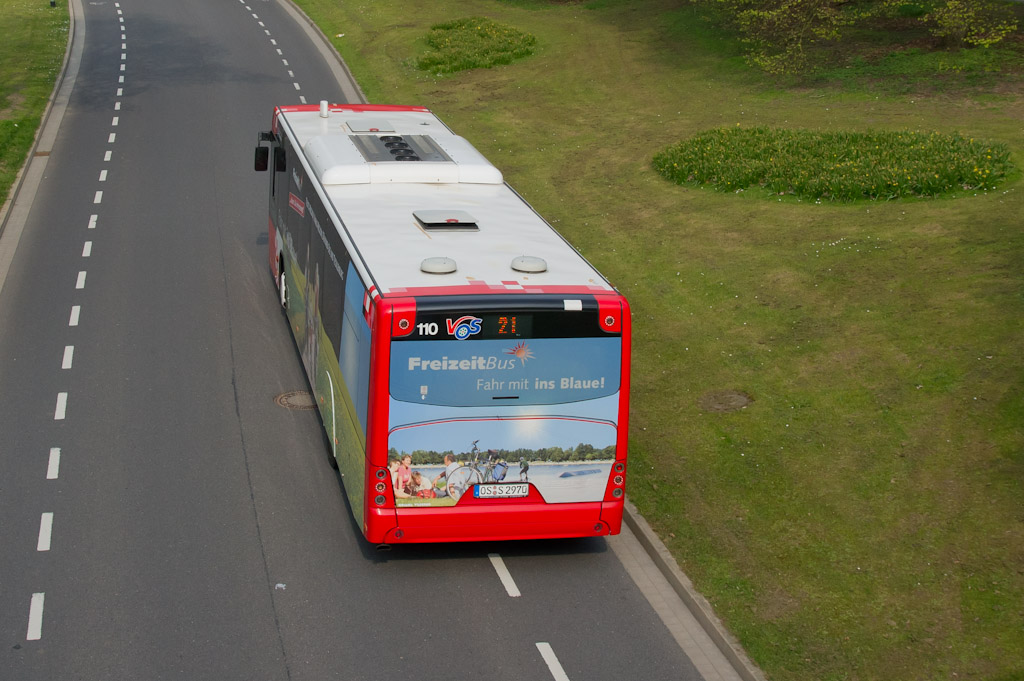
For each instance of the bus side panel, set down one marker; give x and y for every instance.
(294, 225)
(324, 310)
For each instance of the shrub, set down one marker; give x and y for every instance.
(835, 166)
(472, 43)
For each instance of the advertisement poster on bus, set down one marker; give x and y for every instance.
(498, 417)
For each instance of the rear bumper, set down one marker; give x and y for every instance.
(495, 522)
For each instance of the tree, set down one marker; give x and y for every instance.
(971, 22)
(780, 33)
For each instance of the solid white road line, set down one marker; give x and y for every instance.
(69, 356)
(61, 410)
(53, 464)
(35, 617)
(552, 661)
(45, 532)
(504, 575)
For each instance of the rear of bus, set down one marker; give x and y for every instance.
(506, 417)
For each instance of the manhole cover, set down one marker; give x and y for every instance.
(721, 401)
(296, 399)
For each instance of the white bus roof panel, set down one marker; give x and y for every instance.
(375, 200)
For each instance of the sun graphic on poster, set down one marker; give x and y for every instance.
(520, 351)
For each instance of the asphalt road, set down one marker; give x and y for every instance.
(160, 516)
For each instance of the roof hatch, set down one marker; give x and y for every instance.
(446, 220)
(374, 125)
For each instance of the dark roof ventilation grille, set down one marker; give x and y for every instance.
(377, 149)
(446, 220)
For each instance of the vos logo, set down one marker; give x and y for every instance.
(464, 327)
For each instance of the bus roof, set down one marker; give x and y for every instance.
(417, 200)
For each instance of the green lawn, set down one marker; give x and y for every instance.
(30, 27)
(863, 516)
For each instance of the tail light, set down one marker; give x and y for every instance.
(380, 487)
(617, 482)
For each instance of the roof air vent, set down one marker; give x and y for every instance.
(446, 220)
(378, 149)
(530, 264)
(440, 265)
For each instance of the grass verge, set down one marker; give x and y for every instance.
(30, 27)
(863, 516)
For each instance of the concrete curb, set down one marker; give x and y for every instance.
(694, 601)
(47, 132)
(349, 87)
(14, 214)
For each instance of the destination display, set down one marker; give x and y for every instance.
(504, 324)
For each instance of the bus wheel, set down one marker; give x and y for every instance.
(282, 287)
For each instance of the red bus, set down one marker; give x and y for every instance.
(470, 367)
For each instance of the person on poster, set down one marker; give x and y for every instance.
(399, 492)
(524, 466)
(420, 486)
(405, 473)
(450, 466)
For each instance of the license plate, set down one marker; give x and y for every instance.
(506, 490)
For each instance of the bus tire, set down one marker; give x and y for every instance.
(282, 286)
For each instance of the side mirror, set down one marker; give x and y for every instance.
(262, 160)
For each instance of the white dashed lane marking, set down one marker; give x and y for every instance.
(45, 532)
(45, 538)
(35, 617)
(61, 409)
(53, 464)
(554, 666)
(504, 575)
